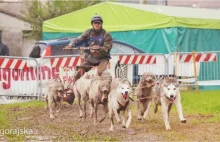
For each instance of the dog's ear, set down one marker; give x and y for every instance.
(166, 85)
(100, 87)
(129, 83)
(166, 79)
(142, 80)
(174, 79)
(177, 84)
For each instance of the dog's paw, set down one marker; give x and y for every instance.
(183, 121)
(111, 130)
(52, 116)
(119, 121)
(168, 129)
(140, 117)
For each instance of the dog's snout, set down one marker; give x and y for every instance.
(171, 96)
(105, 91)
(126, 92)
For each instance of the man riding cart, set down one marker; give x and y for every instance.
(98, 43)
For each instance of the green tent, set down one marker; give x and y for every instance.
(153, 29)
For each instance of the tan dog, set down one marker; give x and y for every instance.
(98, 94)
(54, 94)
(81, 88)
(118, 100)
(168, 93)
(144, 92)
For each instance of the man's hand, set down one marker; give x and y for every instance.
(84, 48)
(95, 50)
(95, 47)
(67, 47)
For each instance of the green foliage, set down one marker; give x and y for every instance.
(36, 12)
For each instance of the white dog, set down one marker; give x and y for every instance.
(118, 100)
(168, 93)
(54, 94)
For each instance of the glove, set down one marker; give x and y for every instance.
(67, 47)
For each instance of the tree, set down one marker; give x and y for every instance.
(36, 12)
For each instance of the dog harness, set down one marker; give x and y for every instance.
(122, 107)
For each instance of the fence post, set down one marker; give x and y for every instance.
(176, 63)
(195, 71)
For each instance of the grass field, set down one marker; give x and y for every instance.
(202, 112)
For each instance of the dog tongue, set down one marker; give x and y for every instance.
(125, 96)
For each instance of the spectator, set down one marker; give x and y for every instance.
(4, 51)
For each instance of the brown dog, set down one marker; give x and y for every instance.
(54, 94)
(144, 92)
(98, 94)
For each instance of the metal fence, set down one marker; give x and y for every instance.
(19, 79)
(62, 67)
(205, 71)
(25, 78)
(132, 66)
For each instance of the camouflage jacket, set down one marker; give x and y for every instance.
(92, 37)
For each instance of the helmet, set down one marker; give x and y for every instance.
(96, 18)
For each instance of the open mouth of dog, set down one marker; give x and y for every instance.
(171, 99)
(125, 95)
(105, 92)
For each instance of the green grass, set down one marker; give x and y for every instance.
(204, 103)
(7, 114)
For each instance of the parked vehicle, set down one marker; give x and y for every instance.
(55, 48)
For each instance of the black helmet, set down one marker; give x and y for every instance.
(96, 18)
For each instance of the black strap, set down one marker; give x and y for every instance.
(122, 107)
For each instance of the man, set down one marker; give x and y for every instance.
(4, 51)
(99, 43)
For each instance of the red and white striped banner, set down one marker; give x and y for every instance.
(13, 63)
(65, 62)
(137, 59)
(209, 57)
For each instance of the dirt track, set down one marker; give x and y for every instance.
(68, 127)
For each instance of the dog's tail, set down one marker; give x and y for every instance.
(156, 108)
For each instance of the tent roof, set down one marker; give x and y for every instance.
(184, 12)
(127, 17)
